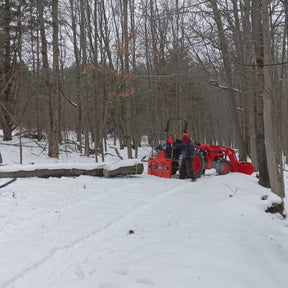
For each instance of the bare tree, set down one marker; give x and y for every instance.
(51, 90)
(12, 98)
(8, 75)
(243, 149)
(259, 86)
(272, 110)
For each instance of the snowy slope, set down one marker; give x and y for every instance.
(138, 231)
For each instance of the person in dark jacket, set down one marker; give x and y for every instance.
(188, 151)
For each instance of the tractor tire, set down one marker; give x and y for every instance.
(223, 167)
(198, 164)
(175, 167)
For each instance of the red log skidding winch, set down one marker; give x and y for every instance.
(222, 159)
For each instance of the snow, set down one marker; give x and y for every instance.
(136, 231)
(122, 163)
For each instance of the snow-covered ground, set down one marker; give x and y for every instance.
(137, 231)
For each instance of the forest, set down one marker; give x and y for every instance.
(123, 67)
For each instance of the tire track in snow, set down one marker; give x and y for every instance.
(54, 212)
(111, 192)
(94, 239)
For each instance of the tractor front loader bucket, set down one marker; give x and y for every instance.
(243, 167)
(160, 165)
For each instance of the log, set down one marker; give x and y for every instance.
(123, 167)
(46, 173)
(53, 171)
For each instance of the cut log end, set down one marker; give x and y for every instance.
(127, 170)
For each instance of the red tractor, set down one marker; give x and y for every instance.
(222, 159)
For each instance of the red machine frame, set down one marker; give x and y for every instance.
(207, 156)
(223, 159)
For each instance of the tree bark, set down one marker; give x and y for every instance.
(258, 101)
(5, 97)
(118, 168)
(271, 110)
(53, 108)
(46, 173)
(243, 149)
(124, 170)
(127, 70)
(84, 82)
(79, 124)
(55, 95)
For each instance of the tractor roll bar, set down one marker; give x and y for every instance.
(178, 119)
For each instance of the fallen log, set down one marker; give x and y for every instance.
(123, 167)
(46, 173)
(55, 170)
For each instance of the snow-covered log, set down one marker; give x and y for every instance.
(123, 167)
(45, 173)
(51, 170)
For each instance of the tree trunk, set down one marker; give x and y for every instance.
(128, 100)
(53, 137)
(249, 77)
(271, 111)
(284, 78)
(6, 125)
(54, 94)
(79, 124)
(243, 149)
(258, 101)
(6, 119)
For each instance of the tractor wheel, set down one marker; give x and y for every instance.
(198, 164)
(223, 167)
(175, 167)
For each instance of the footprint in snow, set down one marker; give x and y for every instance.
(145, 281)
(121, 271)
(80, 274)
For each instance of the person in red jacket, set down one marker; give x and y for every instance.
(188, 151)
